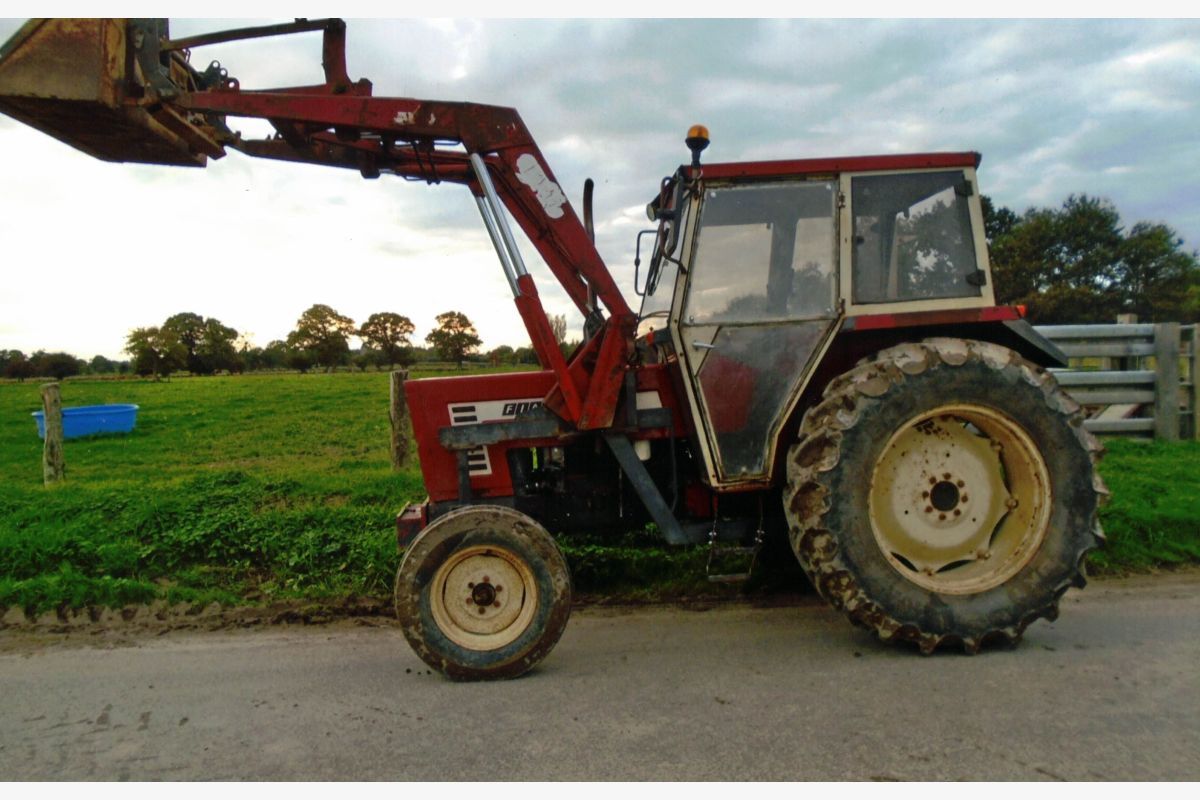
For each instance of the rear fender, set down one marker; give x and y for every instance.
(862, 337)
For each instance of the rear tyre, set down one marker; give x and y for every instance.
(944, 492)
(483, 593)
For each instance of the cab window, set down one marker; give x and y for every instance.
(913, 238)
(764, 253)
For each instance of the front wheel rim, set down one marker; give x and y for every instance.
(960, 499)
(484, 597)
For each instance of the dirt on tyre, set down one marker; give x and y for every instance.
(483, 593)
(944, 492)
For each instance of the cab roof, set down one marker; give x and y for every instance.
(830, 166)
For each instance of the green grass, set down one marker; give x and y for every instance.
(261, 487)
(1153, 517)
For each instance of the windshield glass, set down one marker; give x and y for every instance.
(764, 252)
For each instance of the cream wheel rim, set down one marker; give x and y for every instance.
(483, 597)
(960, 499)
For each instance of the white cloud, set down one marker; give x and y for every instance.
(1184, 53)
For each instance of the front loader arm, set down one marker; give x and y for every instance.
(141, 100)
(413, 138)
(563, 242)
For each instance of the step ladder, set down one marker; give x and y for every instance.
(718, 551)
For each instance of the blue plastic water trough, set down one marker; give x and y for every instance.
(90, 420)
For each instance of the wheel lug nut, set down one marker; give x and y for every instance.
(933, 481)
(941, 516)
(482, 610)
(924, 495)
(957, 512)
(1011, 502)
(496, 604)
(960, 484)
(928, 509)
(499, 587)
(470, 585)
(945, 476)
(485, 578)
(470, 601)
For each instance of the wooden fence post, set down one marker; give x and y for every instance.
(1193, 361)
(1127, 363)
(399, 417)
(53, 466)
(1166, 381)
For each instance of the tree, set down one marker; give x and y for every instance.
(325, 333)
(55, 365)
(366, 357)
(275, 355)
(1159, 282)
(299, 359)
(155, 351)
(249, 356)
(388, 333)
(501, 355)
(1076, 264)
(9, 357)
(100, 365)
(454, 337)
(558, 325)
(16, 365)
(188, 330)
(996, 221)
(218, 348)
(525, 355)
(210, 345)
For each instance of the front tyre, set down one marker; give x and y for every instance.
(944, 492)
(483, 593)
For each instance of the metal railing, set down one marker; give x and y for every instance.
(1134, 379)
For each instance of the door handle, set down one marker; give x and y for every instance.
(703, 346)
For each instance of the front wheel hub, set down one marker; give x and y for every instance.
(483, 598)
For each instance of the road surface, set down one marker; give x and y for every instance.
(1109, 692)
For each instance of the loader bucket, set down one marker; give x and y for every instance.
(83, 82)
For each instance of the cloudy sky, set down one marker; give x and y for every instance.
(89, 250)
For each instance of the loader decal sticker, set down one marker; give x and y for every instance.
(530, 173)
(478, 460)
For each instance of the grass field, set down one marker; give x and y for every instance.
(246, 489)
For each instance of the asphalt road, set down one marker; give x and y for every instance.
(1110, 691)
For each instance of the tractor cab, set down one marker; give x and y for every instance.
(756, 267)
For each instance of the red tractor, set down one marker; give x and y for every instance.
(817, 351)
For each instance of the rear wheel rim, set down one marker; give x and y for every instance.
(960, 499)
(483, 597)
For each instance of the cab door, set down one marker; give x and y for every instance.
(759, 302)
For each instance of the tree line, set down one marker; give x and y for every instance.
(320, 340)
(40, 364)
(189, 342)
